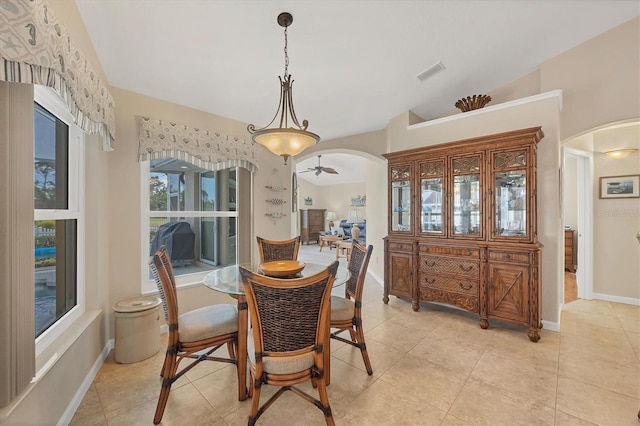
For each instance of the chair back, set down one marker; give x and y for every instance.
(163, 255)
(271, 250)
(289, 315)
(358, 264)
(169, 294)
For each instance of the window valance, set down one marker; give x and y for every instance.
(200, 147)
(36, 49)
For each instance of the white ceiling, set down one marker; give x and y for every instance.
(354, 62)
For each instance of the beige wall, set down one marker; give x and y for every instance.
(599, 80)
(336, 198)
(616, 221)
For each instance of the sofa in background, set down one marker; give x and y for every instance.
(346, 230)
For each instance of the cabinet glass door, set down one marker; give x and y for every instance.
(511, 205)
(400, 214)
(510, 199)
(466, 196)
(431, 196)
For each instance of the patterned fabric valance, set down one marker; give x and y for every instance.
(202, 148)
(36, 49)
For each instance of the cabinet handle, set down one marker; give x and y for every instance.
(430, 280)
(468, 252)
(507, 256)
(466, 269)
(431, 264)
(468, 287)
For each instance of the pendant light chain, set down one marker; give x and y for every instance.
(286, 54)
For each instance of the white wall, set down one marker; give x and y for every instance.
(570, 192)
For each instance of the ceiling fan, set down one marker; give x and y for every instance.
(319, 169)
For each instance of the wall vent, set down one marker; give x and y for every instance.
(431, 71)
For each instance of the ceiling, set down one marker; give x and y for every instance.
(355, 63)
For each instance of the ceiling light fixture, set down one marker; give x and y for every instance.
(283, 140)
(619, 153)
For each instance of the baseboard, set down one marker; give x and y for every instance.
(616, 299)
(86, 384)
(377, 278)
(551, 326)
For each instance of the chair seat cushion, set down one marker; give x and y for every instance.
(207, 322)
(280, 365)
(342, 309)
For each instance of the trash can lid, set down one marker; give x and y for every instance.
(137, 304)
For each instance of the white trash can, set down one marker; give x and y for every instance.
(137, 323)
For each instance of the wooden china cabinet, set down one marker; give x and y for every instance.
(462, 227)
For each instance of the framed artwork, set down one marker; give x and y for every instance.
(294, 193)
(620, 186)
(359, 201)
(308, 201)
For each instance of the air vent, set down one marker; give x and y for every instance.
(431, 71)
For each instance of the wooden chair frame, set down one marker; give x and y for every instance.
(271, 250)
(178, 350)
(271, 315)
(358, 264)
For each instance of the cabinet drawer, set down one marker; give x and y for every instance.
(449, 265)
(396, 246)
(452, 251)
(469, 303)
(443, 282)
(509, 256)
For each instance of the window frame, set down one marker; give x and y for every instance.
(52, 102)
(147, 285)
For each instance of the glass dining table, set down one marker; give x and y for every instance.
(229, 281)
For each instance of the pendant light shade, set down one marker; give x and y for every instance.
(284, 140)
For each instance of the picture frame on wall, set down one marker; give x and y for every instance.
(625, 186)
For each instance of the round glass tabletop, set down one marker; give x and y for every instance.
(228, 280)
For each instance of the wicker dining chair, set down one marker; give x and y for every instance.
(346, 312)
(271, 250)
(206, 329)
(290, 328)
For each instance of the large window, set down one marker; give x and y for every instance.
(57, 177)
(193, 212)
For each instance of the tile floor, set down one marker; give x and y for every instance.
(432, 367)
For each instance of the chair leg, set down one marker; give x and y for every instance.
(167, 358)
(169, 369)
(363, 348)
(324, 400)
(255, 402)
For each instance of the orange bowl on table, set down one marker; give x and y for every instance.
(282, 268)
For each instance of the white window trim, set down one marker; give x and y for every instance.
(50, 100)
(148, 286)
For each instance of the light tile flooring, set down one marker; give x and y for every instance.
(432, 367)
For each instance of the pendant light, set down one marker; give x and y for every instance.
(284, 140)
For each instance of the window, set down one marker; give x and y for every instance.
(193, 212)
(58, 226)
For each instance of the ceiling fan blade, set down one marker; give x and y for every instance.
(318, 172)
(329, 170)
(307, 171)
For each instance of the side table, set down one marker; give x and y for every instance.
(343, 249)
(330, 240)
